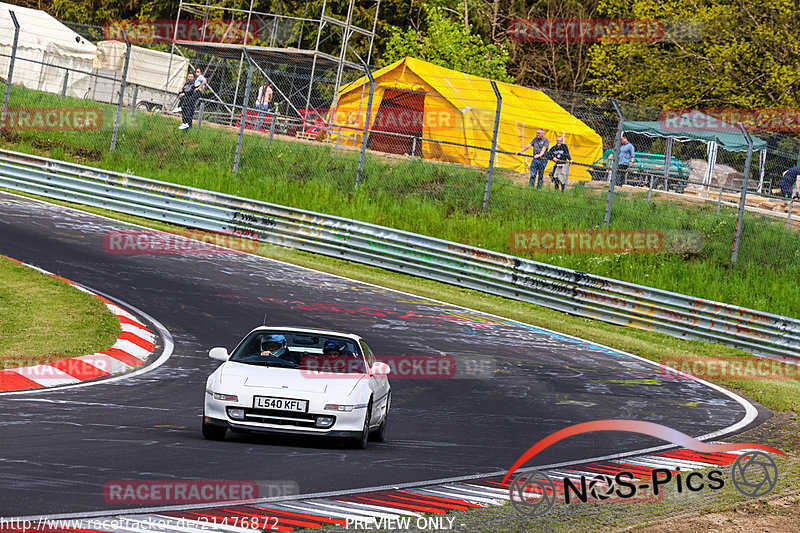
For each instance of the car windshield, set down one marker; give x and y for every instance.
(313, 352)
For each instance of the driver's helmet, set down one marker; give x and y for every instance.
(273, 343)
(335, 346)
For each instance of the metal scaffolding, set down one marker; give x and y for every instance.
(277, 39)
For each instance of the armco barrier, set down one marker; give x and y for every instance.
(566, 290)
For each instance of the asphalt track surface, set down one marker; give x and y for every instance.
(59, 448)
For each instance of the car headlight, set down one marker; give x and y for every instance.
(338, 407)
(324, 422)
(237, 413)
(223, 397)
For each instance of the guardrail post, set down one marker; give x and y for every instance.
(615, 163)
(200, 113)
(244, 112)
(413, 148)
(743, 198)
(789, 215)
(135, 97)
(10, 68)
(121, 90)
(273, 118)
(364, 137)
(493, 153)
(64, 86)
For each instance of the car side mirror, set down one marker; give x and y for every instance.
(219, 353)
(380, 368)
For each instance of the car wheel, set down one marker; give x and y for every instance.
(380, 433)
(212, 432)
(142, 106)
(660, 185)
(360, 442)
(156, 109)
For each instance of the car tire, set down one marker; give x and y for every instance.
(142, 106)
(212, 432)
(361, 441)
(380, 434)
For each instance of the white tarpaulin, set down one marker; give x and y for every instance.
(148, 68)
(43, 39)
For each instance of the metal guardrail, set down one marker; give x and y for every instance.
(558, 288)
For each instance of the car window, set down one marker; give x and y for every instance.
(368, 354)
(301, 350)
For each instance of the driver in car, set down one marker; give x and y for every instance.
(275, 346)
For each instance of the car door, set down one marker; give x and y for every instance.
(379, 385)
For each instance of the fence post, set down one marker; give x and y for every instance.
(413, 148)
(338, 136)
(364, 137)
(10, 68)
(789, 215)
(488, 188)
(245, 105)
(121, 90)
(273, 118)
(743, 198)
(64, 87)
(719, 200)
(135, 97)
(200, 113)
(615, 163)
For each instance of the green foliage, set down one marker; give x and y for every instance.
(447, 43)
(748, 55)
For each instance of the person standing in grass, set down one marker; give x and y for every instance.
(559, 154)
(790, 182)
(189, 104)
(184, 104)
(627, 154)
(540, 145)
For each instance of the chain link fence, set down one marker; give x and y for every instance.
(418, 146)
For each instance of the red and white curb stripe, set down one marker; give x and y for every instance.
(422, 507)
(132, 348)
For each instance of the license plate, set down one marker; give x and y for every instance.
(283, 404)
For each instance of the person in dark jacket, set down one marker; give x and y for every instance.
(559, 155)
(185, 104)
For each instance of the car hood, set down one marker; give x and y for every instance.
(236, 375)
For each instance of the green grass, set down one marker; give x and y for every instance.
(43, 319)
(441, 200)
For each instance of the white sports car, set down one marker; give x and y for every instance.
(298, 381)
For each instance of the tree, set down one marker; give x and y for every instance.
(747, 56)
(448, 43)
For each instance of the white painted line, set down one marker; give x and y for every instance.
(46, 375)
(136, 351)
(140, 332)
(104, 362)
(435, 491)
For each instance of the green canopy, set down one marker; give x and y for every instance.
(696, 126)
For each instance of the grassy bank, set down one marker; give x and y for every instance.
(440, 200)
(43, 319)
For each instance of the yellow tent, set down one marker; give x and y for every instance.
(447, 115)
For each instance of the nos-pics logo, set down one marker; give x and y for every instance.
(533, 493)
